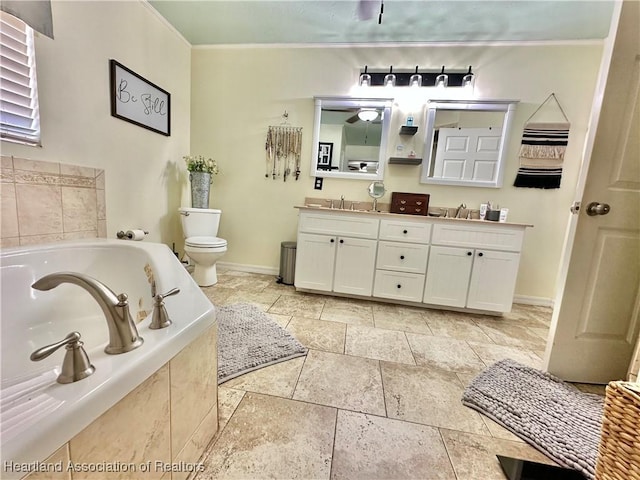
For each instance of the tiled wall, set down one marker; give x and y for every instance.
(45, 202)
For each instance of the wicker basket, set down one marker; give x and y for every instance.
(619, 449)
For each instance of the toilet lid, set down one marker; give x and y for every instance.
(205, 242)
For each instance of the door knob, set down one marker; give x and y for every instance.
(595, 208)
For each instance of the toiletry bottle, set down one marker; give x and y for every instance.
(483, 210)
(410, 120)
(503, 214)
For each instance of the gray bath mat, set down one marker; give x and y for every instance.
(249, 339)
(555, 417)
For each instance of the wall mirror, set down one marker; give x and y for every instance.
(350, 137)
(466, 142)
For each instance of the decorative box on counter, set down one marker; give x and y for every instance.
(410, 203)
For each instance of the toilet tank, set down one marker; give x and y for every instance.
(199, 222)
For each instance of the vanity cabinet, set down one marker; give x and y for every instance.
(417, 260)
(341, 258)
(473, 266)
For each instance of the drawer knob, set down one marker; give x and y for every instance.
(469, 253)
(401, 209)
(332, 240)
(402, 202)
(399, 286)
(401, 257)
(480, 254)
(341, 241)
(405, 232)
(418, 203)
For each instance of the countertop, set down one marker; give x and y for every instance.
(387, 214)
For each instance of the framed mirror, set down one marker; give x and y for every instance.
(466, 142)
(350, 137)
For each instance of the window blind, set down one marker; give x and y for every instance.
(19, 115)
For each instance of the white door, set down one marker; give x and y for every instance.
(595, 323)
(448, 276)
(315, 255)
(355, 266)
(467, 153)
(493, 280)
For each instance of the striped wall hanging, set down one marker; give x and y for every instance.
(542, 151)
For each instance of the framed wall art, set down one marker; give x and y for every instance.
(325, 153)
(136, 100)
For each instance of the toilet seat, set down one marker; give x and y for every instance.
(205, 242)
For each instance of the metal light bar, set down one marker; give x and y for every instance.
(403, 77)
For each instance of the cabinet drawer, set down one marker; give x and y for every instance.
(497, 237)
(403, 257)
(398, 285)
(405, 231)
(339, 224)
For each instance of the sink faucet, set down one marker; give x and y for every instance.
(459, 210)
(123, 334)
(341, 202)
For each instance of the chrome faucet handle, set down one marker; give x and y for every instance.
(76, 364)
(160, 317)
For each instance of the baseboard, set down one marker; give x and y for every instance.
(240, 267)
(528, 300)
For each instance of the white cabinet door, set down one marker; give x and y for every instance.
(355, 265)
(315, 256)
(448, 276)
(493, 280)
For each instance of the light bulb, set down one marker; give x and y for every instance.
(416, 79)
(442, 80)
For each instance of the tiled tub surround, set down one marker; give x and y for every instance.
(145, 404)
(167, 422)
(45, 202)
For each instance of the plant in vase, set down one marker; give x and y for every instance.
(200, 170)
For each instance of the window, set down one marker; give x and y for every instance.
(19, 115)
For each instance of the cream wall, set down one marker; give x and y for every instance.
(238, 92)
(144, 171)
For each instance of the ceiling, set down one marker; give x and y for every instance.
(219, 22)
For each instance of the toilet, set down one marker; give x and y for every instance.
(200, 227)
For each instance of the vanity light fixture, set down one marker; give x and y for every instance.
(390, 78)
(468, 79)
(442, 80)
(367, 114)
(416, 79)
(365, 78)
(411, 77)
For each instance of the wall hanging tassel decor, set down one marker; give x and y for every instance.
(542, 151)
(283, 148)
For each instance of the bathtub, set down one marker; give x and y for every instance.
(37, 413)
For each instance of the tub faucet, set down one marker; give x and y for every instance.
(123, 334)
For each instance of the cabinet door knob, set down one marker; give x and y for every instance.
(399, 286)
(469, 253)
(405, 232)
(332, 240)
(401, 257)
(341, 241)
(480, 254)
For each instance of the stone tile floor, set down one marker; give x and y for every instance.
(377, 396)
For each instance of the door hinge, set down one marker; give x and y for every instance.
(575, 208)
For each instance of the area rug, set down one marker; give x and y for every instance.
(249, 339)
(555, 417)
